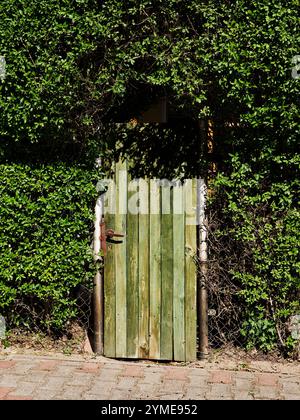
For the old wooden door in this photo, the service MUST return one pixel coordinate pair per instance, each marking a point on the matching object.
(150, 273)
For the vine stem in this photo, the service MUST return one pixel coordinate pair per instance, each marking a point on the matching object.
(276, 325)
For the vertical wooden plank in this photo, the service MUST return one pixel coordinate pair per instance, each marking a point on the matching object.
(110, 284)
(143, 268)
(155, 270)
(166, 328)
(190, 191)
(121, 260)
(178, 271)
(132, 271)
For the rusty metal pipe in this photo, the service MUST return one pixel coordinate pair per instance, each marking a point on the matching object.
(98, 313)
(98, 298)
(202, 298)
(202, 313)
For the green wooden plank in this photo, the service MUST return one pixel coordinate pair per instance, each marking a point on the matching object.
(121, 261)
(143, 267)
(132, 272)
(190, 270)
(109, 288)
(155, 270)
(166, 328)
(178, 272)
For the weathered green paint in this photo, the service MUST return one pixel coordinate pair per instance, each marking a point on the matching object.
(166, 327)
(178, 274)
(190, 270)
(150, 277)
(121, 261)
(109, 296)
(143, 256)
(132, 276)
(155, 270)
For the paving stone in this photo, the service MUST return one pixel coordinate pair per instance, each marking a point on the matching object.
(152, 377)
(292, 397)
(119, 394)
(290, 387)
(109, 375)
(220, 391)
(25, 388)
(101, 387)
(139, 396)
(46, 393)
(198, 373)
(5, 391)
(48, 365)
(36, 377)
(290, 379)
(243, 395)
(268, 392)
(18, 397)
(171, 386)
(146, 389)
(114, 365)
(248, 376)
(10, 380)
(54, 382)
(243, 384)
(7, 364)
(22, 368)
(217, 397)
(90, 367)
(155, 369)
(135, 371)
(174, 396)
(179, 374)
(267, 379)
(81, 378)
(64, 370)
(221, 377)
(126, 383)
(96, 397)
(195, 394)
(72, 393)
(200, 382)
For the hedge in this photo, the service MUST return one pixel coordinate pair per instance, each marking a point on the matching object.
(46, 219)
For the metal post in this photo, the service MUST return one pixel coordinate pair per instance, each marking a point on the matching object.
(202, 275)
(98, 283)
(202, 297)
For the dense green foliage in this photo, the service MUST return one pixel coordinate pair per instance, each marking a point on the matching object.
(75, 66)
(71, 65)
(262, 220)
(46, 219)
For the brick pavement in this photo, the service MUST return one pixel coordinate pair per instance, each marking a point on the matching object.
(58, 377)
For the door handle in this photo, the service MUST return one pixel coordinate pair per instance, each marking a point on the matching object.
(108, 235)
